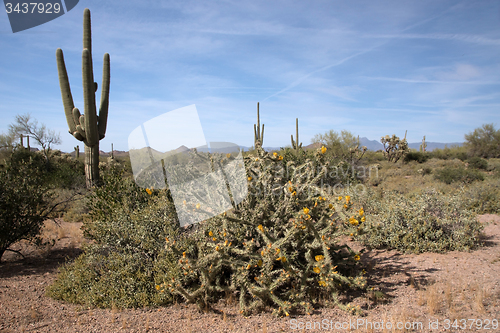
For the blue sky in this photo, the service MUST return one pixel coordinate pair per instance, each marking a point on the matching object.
(371, 67)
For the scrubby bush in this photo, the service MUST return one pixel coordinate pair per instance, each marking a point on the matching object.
(416, 156)
(25, 199)
(424, 222)
(478, 163)
(129, 226)
(447, 153)
(449, 174)
(483, 197)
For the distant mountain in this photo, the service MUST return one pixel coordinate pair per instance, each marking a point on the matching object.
(376, 145)
(370, 144)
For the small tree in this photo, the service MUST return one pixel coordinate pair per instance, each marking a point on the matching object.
(25, 199)
(339, 144)
(483, 142)
(25, 125)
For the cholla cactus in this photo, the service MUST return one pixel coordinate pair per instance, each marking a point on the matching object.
(357, 152)
(278, 247)
(396, 148)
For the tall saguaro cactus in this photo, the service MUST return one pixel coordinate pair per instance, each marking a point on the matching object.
(88, 127)
(296, 145)
(423, 145)
(258, 134)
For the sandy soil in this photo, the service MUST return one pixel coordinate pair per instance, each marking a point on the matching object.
(422, 291)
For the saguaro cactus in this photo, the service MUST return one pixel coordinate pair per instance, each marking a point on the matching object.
(258, 135)
(423, 145)
(77, 152)
(89, 127)
(296, 145)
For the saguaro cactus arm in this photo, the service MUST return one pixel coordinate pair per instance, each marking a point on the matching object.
(103, 108)
(66, 92)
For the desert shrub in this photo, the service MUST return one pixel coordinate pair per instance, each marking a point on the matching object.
(128, 259)
(67, 173)
(482, 197)
(478, 163)
(276, 248)
(424, 222)
(25, 199)
(448, 175)
(105, 278)
(447, 153)
(416, 156)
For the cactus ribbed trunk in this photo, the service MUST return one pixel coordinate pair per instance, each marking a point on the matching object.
(92, 165)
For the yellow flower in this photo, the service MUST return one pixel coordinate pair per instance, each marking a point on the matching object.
(363, 219)
(225, 243)
(256, 160)
(322, 283)
(228, 155)
(280, 158)
(361, 212)
(339, 198)
(294, 193)
(157, 287)
(308, 217)
(283, 259)
(306, 210)
(278, 251)
(353, 221)
(319, 258)
(210, 234)
(330, 206)
(214, 239)
(259, 263)
(198, 206)
(262, 253)
(290, 189)
(357, 257)
(184, 254)
(316, 270)
(316, 204)
(224, 234)
(347, 198)
(275, 154)
(248, 267)
(217, 248)
(260, 227)
(345, 206)
(249, 178)
(149, 191)
(323, 149)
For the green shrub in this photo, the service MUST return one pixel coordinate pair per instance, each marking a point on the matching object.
(128, 259)
(478, 163)
(25, 199)
(425, 222)
(105, 278)
(416, 156)
(448, 175)
(483, 197)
